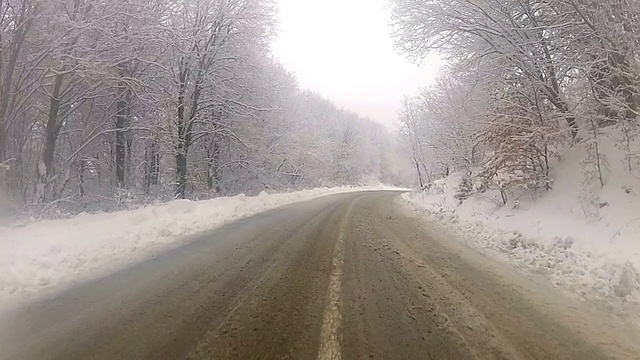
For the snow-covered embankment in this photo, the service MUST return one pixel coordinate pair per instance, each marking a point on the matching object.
(583, 237)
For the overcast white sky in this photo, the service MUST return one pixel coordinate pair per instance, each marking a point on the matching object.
(342, 49)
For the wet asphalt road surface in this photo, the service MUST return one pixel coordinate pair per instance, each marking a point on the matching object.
(349, 276)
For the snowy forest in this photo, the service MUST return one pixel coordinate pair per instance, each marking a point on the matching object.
(104, 102)
(524, 80)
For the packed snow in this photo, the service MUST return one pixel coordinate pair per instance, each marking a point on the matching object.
(583, 238)
(49, 254)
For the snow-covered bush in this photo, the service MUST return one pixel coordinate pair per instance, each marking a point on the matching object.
(465, 188)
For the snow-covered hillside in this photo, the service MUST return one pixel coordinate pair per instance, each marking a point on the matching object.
(49, 254)
(584, 238)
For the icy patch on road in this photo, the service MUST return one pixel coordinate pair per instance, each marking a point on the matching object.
(48, 254)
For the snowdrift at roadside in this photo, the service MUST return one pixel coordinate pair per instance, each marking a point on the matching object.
(582, 237)
(49, 254)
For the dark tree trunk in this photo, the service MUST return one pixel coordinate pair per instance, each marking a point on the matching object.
(155, 165)
(128, 160)
(83, 166)
(120, 153)
(147, 170)
(213, 165)
(554, 97)
(553, 91)
(612, 79)
(98, 168)
(214, 151)
(123, 113)
(573, 126)
(210, 163)
(561, 105)
(181, 148)
(217, 150)
(181, 172)
(620, 81)
(21, 27)
(3, 142)
(184, 139)
(45, 169)
(419, 174)
(152, 161)
(185, 128)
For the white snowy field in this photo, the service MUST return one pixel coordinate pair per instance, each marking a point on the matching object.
(583, 237)
(50, 254)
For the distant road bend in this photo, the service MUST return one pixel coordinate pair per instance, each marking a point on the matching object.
(347, 276)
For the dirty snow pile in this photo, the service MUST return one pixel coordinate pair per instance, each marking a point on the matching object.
(51, 253)
(583, 237)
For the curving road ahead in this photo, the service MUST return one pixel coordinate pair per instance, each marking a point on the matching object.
(342, 277)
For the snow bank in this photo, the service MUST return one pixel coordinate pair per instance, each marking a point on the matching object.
(52, 253)
(582, 237)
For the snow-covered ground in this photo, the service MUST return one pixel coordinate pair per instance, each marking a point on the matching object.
(50, 254)
(583, 238)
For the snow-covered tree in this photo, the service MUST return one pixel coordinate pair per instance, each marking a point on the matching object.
(523, 78)
(105, 103)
